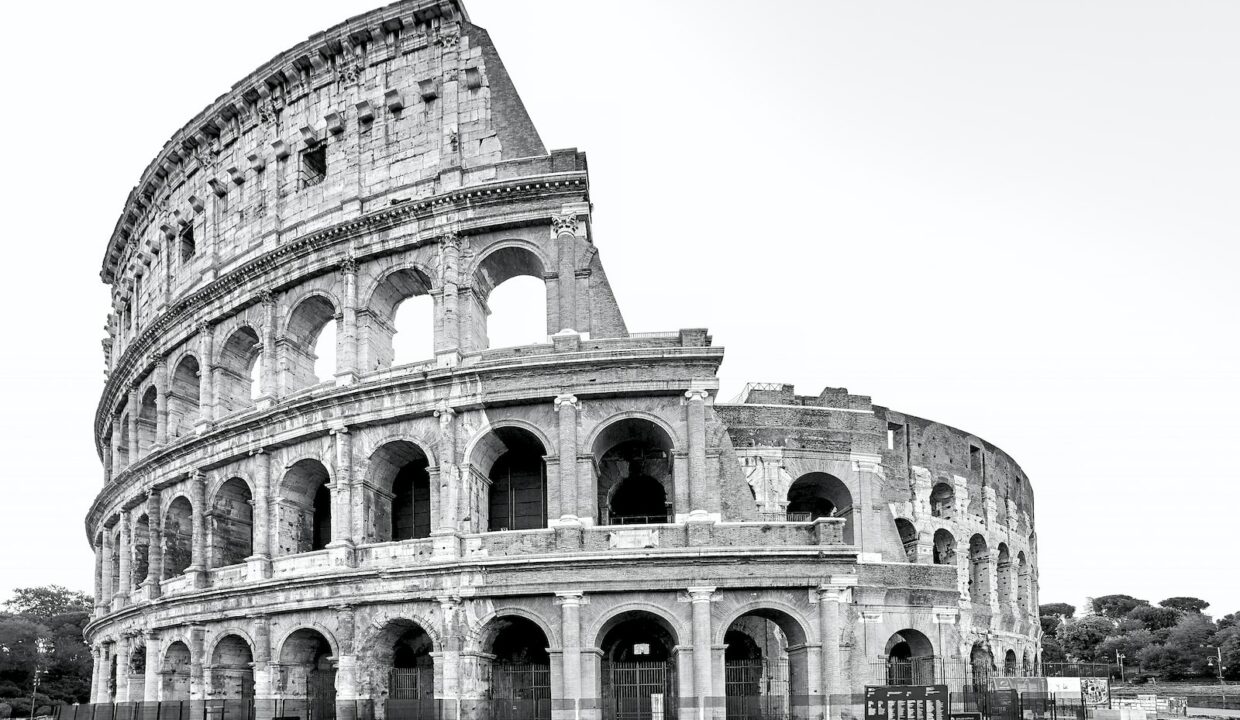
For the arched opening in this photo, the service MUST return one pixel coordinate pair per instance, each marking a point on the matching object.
(1022, 583)
(1004, 573)
(633, 464)
(981, 664)
(516, 313)
(305, 508)
(979, 571)
(239, 366)
(147, 421)
(178, 537)
(910, 659)
(637, 666)
(232, 524)
(135, 668)
(399, 326)
(943, 501)
(518, 675)
(765, 665)
(511, 460)
(309, 672)
(1011, 667)
(407, 690)
(112, 671)
(141, 551)
(183, 397)
(1028, 668)
(310, 347)
(818, 494)
(122, 445)
(398, 503)
(117, 550)
(944, 548)
(174, 671)
(908, 538)
(232, 669)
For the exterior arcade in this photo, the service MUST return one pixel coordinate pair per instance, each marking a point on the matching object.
(573, 529)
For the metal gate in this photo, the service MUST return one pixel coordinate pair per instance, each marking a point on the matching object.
(756, 689)
(321, 695)
(411, 693)
(911, 671)
(519, 691)
(639, 691)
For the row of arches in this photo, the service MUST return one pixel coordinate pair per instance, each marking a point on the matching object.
(396, 324)
(1014, 578)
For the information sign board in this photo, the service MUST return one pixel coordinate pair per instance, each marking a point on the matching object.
(906, 702)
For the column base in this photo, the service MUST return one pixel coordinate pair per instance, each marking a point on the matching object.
(263, 402)
(150, 590)
(447, 544)
(448, 358)
(258, 567)
(202, 427)
(341, 553)
(197, 577)
(348, 377)
(565, 521)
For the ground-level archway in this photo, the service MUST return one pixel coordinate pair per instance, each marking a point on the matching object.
(516, 669)
(308, 674)
(231, 670)
(638, 669)
(174, 670)
(910, 659)
(818, 494)
(766, 666)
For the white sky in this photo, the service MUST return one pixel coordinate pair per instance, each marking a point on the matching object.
(1016, 218)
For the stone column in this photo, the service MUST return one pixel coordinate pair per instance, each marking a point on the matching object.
(269, 391)
(150, 692)
(703, 679)
(830, 594)
(696, 401)
(161, 401)
(108, 549)
(117, 465)
(259, 564)
(96, 678)
(122, 672)
(126, 551)
(197, 689)
(450, 657)
(155, 550)
(134, 409)
(567, 407)
(100, 605)
(347, 693)
(346, 361)
(264, 690)
(448, 480)
(570, 630)
(341, 545)
(197, 569)
(450, 259)
(564, 230)
(206, 394)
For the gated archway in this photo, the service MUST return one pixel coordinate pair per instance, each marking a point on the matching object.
(765, 666)
(638, 675)
(308, 676)
(910, 659)
(517, 678)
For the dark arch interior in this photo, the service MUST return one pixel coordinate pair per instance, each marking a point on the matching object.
(944, 548)
(519, 641)
(401, 468)
(235, 371)
(232, 517)
(818, 494)
(232, 674)
(178, 537)
(638, 498)
(306, 510)
(634, 464)
(638, 637)
(741, 646)
(518, 494)
(942, 500)
(412, 649)
(908, 644)
(908, 538)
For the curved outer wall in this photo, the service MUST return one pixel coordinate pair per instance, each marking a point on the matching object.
(262, 528)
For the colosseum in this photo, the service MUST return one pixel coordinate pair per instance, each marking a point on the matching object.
(576, 528)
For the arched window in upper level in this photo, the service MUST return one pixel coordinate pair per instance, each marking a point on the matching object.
(511, 298)
(512, 459)
(818, 494)
(148, 419)
(178, 537)
(122, 442)
(1023, 581)
(908, 538)
(633, 459)
(979, 570)
(943, 501)
(183, 397)
(310, 348)
(141, 551)
(305, 508)
(944, 548)
(399, 326)
(399, 497)
(240, 365)
(232, 524)
(1004, 573)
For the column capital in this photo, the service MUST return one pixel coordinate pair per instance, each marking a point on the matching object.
(700, 394)
(450, 240)
(339, 430)
(260, 450)
(567, 399)
(564, 224)
(701, 593)
(267, 298)
(444, 412)
(571, 598)
(204, 328)
(348, 266)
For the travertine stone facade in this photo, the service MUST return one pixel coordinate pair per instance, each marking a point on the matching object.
(487, 526)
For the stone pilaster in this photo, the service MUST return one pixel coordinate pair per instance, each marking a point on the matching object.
(703, 680)
(150, 691)
(564, 229)
(122, 671)
(197, 569)
(269, 390)
(347, 690)
(259, 563)
(567, 406)
(155, 548)
(206, 391)
(346, 362)
(108, 549)
(834, 591)
(341, 545)
(449, 482)
(100, 591)
(135, 406)
(449, 342)
(695, 401)
(161, 401)
(121, 598)
(570, 631)
(197, 688)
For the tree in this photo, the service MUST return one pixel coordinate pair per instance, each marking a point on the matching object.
(1063, 610)
(1228, 640)
(1116, 606)
(1229, 620)
(1185, 604)
(1129, 644)
(1159, 620)
(1182, 655)
(46, 601)
(1081, 638)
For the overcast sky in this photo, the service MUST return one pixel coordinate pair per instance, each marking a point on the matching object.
(1017, 219)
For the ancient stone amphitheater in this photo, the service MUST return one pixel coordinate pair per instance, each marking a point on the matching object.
(578, 528)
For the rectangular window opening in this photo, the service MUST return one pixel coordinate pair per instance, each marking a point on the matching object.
(313, 166)
(895, 435)
(187, 245)
(975, 457)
